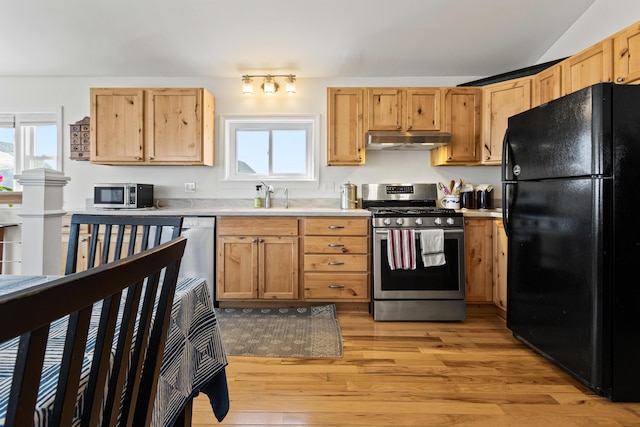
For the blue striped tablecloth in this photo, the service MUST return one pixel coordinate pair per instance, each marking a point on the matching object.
(194, 357)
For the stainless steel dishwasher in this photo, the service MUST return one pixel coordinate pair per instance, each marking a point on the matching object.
(198, 259)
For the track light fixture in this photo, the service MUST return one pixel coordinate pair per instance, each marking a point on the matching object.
(269, 85)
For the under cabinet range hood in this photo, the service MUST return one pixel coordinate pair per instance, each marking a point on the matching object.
(414, 140)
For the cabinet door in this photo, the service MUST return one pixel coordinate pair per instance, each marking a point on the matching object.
(499, 265)
(385, 109)
(626, 55)
(345, 129)
(478, 247)
(502, 100)
(592, 65)
(547, 85)
(423, 109)
(462, 119)
(278, 271)
(175, 125)
(237, 267)
(117, 125)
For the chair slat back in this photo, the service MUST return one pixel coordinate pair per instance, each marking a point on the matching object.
(113, 237)
(127, 354)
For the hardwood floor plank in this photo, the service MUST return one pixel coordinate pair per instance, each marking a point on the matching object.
(394, 374)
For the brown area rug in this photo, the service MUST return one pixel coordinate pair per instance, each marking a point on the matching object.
(299, 332)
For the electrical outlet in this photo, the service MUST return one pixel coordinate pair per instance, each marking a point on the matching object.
(328, 187)
(189, 187)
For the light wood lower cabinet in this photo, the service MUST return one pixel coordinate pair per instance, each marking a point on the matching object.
(257, 258)
(478, 259)
(485, 246)
(336, 259)
(499, 265)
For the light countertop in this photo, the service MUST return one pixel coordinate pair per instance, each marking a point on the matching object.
(244, 207)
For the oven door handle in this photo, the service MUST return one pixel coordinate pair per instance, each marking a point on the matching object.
(446, 231)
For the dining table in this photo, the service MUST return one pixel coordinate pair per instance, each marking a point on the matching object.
(193, 361)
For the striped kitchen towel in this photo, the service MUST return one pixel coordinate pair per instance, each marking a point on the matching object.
(401, 249)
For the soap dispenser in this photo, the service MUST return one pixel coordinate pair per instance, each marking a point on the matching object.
(257, 200)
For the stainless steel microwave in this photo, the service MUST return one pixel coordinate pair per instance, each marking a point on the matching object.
(123, 196)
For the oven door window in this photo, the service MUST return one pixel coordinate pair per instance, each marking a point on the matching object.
(437, 281)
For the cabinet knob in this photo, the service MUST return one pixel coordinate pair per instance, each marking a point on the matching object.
(409, 127)
(335, 263)
(254, 240)
(138, 158)
(151, 157)
(620, 79)
(335, 286)
(335, 226)
(335, 245)
(398, 127)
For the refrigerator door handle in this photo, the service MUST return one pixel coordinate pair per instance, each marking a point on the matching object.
(505, 207)
(505, 157)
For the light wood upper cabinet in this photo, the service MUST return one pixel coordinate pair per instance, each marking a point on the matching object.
(626, 55)
(462, 118)
(345, 126)
(501, 101)
(403, 109)
(547, 85)
(592, 65)
(152, 126)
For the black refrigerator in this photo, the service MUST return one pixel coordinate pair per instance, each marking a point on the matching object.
(571, 209)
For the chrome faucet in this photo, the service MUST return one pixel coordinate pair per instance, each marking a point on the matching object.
(268, 189)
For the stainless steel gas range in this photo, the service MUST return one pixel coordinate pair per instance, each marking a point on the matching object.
(418, 254)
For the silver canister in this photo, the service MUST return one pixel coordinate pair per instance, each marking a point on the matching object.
(348, 196)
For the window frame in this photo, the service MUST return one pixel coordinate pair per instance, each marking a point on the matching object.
(252, 122)
(16, 118)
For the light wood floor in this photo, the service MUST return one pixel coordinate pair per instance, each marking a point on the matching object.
(471, 373)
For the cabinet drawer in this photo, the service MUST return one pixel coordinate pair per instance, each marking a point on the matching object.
(336, 245)
(338, 286)
(336, 262)
(339, 226)
(257, 226)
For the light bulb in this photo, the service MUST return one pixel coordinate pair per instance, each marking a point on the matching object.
(290, 85)
(269, 86)
(247, 85)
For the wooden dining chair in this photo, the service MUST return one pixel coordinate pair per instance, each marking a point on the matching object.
(119, 385)
(112, 237)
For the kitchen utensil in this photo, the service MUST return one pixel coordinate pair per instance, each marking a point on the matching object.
(443, 188)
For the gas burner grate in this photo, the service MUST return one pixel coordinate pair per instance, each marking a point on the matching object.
(412, 211)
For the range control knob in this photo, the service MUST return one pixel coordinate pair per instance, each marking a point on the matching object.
(399, 221)
(450, 221)
(437, 221)
(386, 221)
(418, 221)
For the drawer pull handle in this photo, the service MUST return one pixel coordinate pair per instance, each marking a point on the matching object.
(335, 263)
(335, 286)
(335, 226)
(335, 245)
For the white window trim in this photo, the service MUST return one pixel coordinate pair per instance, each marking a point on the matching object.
(313, 144)
(26, 116)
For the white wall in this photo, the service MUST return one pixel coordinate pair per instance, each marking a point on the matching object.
(73, 95)
(604, 18)
(601, 20)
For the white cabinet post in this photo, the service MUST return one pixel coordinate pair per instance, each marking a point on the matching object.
(41, 220)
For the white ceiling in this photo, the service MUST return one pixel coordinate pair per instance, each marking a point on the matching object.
(324, 39)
